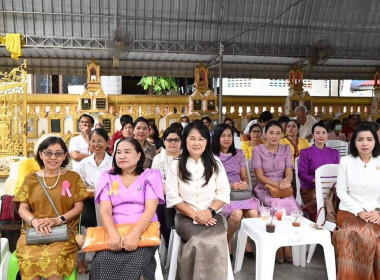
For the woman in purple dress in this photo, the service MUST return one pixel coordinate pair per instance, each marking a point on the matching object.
(234, 162)
(273, 165)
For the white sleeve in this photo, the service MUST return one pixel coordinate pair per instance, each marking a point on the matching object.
(172, 185)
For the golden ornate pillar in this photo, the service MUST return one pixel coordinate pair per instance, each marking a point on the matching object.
(295, 89)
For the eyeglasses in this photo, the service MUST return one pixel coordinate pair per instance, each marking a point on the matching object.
(56, 154)
(174, 140)
(256, 131)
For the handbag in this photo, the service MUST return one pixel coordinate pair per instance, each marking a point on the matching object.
(332, 204)
(240, 195)
(277, 193)
(8, 210)
(58, 233)
(97, 240)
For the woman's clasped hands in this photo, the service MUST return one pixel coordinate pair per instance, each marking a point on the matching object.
(45, 225)
(284, 184)
(204, 217)
(129, 243)
(239, 186)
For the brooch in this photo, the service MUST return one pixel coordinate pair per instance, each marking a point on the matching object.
(66, 188)
(114, 188)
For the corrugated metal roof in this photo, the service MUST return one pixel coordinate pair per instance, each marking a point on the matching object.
(171, 36)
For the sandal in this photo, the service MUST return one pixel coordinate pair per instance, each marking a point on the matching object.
(81, 267)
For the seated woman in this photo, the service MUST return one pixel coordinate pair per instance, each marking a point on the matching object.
(126, 131)
(356, 237)
(234, 163)
(256, 134)
(273, 165)
(234, 127)
(198, 187)
(141, 133)
(127, 194)
(293, 140)
(89, 170)
(57, 259)
(172, 141)
(310, 159)
(154, 136)
(336, 131)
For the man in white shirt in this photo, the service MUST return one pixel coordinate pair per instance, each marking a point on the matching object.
(79, 145)
(306, 121)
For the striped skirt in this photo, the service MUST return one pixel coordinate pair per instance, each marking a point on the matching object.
(357, 248)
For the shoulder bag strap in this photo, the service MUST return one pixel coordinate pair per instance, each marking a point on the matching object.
(47, 195)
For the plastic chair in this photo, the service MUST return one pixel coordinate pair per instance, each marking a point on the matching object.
(325, 177)
(174, 255)
(298, 183)
(5, 255)
(158, 274)
(13, 162)
(248, 162)
(341, 146)
(13, 269)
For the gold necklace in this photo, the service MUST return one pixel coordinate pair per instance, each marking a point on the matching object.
(56, 182)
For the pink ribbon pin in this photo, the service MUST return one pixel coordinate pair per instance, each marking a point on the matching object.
(66, 188)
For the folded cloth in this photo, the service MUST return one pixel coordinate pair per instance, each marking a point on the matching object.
(13, 45)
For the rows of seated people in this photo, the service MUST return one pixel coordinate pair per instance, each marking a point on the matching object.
(135, 176)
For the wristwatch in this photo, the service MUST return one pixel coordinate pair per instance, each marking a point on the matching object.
(213, 213)
(63, 220)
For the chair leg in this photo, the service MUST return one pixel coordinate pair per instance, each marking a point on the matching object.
(230, 272)
(170, 249)
(158, 275)
(311, 252)
(174, 254)
(13, 268)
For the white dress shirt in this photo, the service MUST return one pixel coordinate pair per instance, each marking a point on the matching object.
(90, 172)
(305, 130)
(80, 145)
(162, 162)
(358, 185)
(196, 195)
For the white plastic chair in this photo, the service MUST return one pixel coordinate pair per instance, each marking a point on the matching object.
(248, 162)
(158, 274)
(325, 177)
(174, 255)
(5, 255)
(341, 146)
(13, 162)
(298, 183)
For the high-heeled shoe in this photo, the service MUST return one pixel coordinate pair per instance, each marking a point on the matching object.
(289, 259)
(280, 260)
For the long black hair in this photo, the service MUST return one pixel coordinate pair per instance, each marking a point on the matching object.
(208, 160)
(116, 170)
(218, 131)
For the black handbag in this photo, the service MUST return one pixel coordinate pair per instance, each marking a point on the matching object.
(58, 233)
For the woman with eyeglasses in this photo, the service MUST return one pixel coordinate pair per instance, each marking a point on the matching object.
(256, 133)
(66, 189)
(89, 170)
(141, 133)
(172, 143)
(198, 187)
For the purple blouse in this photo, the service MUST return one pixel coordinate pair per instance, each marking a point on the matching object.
(272, 164)
(312, 158)
(128, 204)
(232, 165)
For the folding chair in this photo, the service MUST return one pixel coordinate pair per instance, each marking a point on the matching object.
(341, 146)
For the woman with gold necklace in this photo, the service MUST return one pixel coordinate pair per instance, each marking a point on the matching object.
(67, 191)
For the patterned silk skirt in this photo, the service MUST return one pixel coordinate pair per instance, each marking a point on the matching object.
(203, 251)
(357, 248)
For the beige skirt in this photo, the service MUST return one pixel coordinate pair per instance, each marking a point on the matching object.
(203, 251)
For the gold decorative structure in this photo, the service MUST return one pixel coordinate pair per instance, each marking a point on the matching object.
(31, 125)
(196, 101)
(201, 78)
(93, 75)
(13, 89)
(108, 121)
(55, 123)
(210, 101)
(295, 88)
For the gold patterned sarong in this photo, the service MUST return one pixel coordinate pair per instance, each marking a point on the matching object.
(357, 248)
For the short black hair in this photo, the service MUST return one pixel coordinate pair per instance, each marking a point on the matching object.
(215, 143)
(265, 116)
(365, 127)
(185, 117)
(141, 119)
(87, 116)
(101, 132)
(284, 119)
(320, 124)
(334, 123)
(207, 119)
(173, 129)
(125, 119)
(295, 121)
(125, 123)
(116, 170)
(255, 125)
(52, 140)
